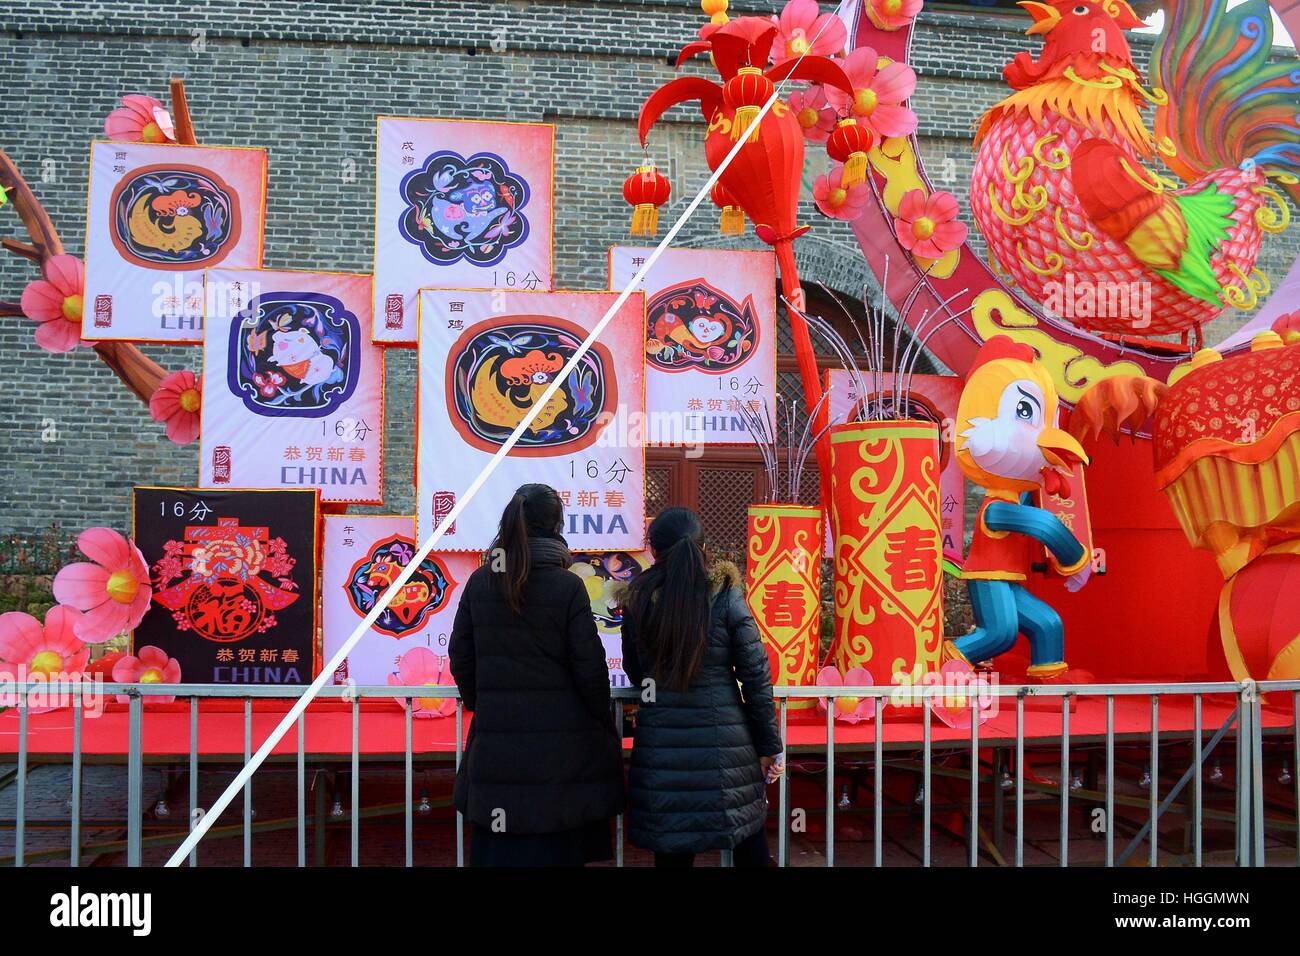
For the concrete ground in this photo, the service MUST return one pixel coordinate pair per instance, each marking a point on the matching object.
(381, 831)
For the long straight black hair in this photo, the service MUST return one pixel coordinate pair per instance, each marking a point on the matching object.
(668, 603)
(534, 511)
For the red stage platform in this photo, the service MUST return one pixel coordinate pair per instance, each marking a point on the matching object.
(328, 724)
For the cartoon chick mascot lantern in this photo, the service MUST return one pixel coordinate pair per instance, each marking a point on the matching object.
(1008, 444)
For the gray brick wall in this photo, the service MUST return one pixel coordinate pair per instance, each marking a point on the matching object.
(306, 79)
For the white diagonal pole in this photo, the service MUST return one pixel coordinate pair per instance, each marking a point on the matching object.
(291, 717)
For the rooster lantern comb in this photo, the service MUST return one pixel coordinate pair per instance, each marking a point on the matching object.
(1072, 29)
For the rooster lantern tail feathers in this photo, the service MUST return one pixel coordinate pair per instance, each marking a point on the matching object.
(1245, 105)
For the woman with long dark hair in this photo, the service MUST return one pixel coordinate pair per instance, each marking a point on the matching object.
(543, 769)
(706, 742)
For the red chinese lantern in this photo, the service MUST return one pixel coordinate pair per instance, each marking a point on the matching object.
(645, 190)
(745, 93)
(763, 180)
(849, 144)
(732, 222)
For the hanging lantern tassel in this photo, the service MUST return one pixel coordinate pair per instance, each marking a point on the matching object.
(732, 222)
(645, 191)
(849, 143)
(746, 93)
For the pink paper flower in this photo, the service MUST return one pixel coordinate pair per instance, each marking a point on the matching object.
(113, 591)
(52, 652)
(814, 114)
(55, 302)
(177, 402)
(152, 666)
(878, 94)
(891, 15)
(420, 667)
(834, 200)
(1288, 326)
(802, 28)
(962, 686)
(140, 119)
(851, 710)
(927, 226)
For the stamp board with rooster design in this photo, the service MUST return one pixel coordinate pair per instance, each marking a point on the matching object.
(157, 216)
(485, 357)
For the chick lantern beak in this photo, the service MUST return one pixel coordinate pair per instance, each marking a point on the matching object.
(1060, 448)
(1045, 17)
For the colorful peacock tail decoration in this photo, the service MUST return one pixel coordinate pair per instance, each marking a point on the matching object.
(1062, 189)
(1221, 58)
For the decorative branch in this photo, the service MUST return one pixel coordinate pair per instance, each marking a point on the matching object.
(23, 249)
(139, 373)
(181, 121)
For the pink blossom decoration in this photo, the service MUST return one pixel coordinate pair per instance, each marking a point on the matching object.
(1288, 326)
(836, 201)
(177, 402)
(140, 119)
(851, 710)
(814, 114)
(150, 666)
(30, 651)
(113, 590)
(55, 302)
(963, 685)
(927, 226)
(420, 667)
(878, 94)
(802, 29)
(891, 15)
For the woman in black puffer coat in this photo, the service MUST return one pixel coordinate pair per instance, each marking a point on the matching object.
(543, 768)
(706, 742)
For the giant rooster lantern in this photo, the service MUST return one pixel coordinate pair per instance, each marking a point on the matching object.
(1063, 185)
(1226, 449)
(764, 178)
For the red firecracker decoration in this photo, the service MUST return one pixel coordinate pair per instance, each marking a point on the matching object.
(849, 144)
(746, 92)
(645, 190)
(732, 222)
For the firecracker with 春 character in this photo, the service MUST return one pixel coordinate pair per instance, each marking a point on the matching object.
(783, 578)
(888, 549)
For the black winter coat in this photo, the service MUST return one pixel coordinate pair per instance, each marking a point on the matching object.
(542, 746)
(695, 783)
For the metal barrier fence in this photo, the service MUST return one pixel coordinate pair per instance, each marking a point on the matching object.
(1245, 723)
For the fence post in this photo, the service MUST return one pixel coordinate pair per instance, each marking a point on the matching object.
(134, 778)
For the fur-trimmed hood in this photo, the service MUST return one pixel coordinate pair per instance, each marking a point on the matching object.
(723, 575)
